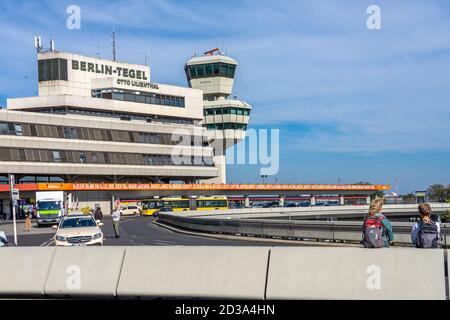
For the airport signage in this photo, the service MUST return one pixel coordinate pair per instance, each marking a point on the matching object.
(187, 187)
(15, 194)
(139, 84)
(121, 72)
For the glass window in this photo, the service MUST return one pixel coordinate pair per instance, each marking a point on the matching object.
(216, 68)
(22, 156)
(118, 96)
(41, 70)
(200, 70)
(106, 156)
(4, 128)
(240, 112)
(63, 69)
(18, 129)
(83, 158)
(208, 70)
(148, 160)
(33, 130)
(223, 69)
(70, 133)
(48, 70)
(230, 70)
(56, 156)
(193, 71)
(55, 69)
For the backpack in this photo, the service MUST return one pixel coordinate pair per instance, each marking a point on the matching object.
(373, 232)
(427, 236)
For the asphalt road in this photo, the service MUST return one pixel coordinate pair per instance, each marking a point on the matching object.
(134, 231)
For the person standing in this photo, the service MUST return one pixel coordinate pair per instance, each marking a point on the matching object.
(98, 214)
(116, 222)
(426, 232)
(3, 239)
(28, 220)
(377, 229)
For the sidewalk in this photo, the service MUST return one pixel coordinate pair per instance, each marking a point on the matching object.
(7, 227)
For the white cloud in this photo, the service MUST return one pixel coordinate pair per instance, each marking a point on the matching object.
(300, 62)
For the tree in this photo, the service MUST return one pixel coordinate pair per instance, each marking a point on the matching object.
(377, 194)
(438, 191)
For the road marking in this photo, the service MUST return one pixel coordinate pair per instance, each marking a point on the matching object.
(47, 242)
(162, 244)
(139, 244)
(163, 241)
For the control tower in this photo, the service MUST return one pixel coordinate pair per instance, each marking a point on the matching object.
(225, 118)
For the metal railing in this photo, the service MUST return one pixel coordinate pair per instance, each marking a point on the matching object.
(334, 231)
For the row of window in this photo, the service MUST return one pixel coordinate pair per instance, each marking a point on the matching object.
(88, 157)
(226, 110)
(139, 97)
(52, 69)
(49, 131)
(117, 115)
(224, 126)
(33, 179)
(210, 70)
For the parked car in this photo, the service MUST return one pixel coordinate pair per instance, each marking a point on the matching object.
(238, 206)
(272, 204)
(162, 210)
(258, 205)
(291, 205)
(130, 210)
(78, 229)
(304, 204)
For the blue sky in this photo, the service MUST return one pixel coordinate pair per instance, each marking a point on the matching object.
(351, 104)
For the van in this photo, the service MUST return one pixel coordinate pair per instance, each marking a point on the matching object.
(130, 210)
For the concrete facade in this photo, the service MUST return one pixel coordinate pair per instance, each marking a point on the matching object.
(67, 86)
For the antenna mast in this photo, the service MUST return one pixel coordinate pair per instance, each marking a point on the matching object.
(147, 57)
(114, 44)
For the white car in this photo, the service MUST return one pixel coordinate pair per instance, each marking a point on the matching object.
(130, 210)
(78, 230)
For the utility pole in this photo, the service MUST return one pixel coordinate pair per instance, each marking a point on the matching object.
(14, 198)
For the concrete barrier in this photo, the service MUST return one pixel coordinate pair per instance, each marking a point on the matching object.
(23, 271)
(354, 273)
(194, 272)
(85, 271)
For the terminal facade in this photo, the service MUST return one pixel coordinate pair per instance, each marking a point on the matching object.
(103, 121)
(97, 120)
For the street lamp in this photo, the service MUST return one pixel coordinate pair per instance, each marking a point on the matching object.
(264, 176)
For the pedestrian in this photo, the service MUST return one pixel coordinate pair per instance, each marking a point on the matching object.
(377, 229)
(98, 214)
(3, 239)
(426, 232)
(28, 220)
(116, 222)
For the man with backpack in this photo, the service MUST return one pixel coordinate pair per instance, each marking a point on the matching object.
(426, 232)
(377, 229)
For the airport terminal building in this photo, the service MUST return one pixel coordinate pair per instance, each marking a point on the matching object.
(97, 120)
